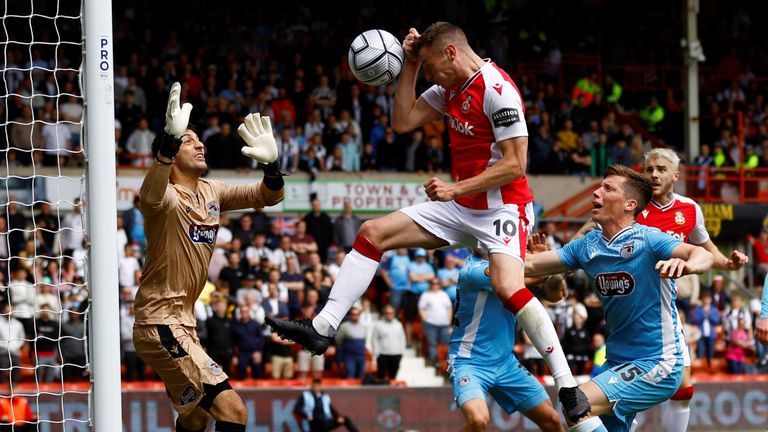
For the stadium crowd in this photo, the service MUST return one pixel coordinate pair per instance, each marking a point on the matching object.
(288, 66)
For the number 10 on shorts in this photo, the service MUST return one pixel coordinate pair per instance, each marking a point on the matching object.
(506, 227)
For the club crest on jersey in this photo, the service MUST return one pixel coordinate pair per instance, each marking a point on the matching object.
(466, 105)
(505, 117)
(214, 367)
(679, 218)
(614, 284)
(627, 249)
(202, 233)
(213, 209)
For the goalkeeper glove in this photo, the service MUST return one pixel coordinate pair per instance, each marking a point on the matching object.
(257, 133)
(176, 119)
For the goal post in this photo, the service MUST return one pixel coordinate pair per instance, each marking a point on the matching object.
(102, 214)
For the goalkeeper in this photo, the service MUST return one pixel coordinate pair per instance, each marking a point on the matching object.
(181, 213)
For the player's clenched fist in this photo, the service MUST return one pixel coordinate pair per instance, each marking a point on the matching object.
(438, 190)
(256, 131)
(408, 42)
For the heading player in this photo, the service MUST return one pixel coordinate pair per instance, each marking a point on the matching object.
(181, 213)
(644, 357)
(489, 205)
(480, 356)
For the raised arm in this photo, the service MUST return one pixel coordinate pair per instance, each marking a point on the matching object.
(408, 112)
(685, 259)
(165, 147)
(721, 262)
(544, 264)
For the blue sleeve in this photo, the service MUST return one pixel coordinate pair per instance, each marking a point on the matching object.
(661, 244)
(570, 253)
(764, 300)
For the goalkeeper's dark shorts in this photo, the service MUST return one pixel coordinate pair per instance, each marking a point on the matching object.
(175, 353)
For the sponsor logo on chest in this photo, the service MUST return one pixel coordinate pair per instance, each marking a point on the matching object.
(678, 235)
(613, 284)
(202, 233)
(462, 127)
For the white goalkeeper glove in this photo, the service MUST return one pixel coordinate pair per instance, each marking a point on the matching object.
(176, 119)
(256, 131)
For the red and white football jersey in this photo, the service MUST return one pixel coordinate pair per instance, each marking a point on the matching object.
(484, 110)
(681, 218)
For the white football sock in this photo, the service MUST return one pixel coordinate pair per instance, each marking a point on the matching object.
(355, 275)
(535, 321)
(676, 414)
(593, 424)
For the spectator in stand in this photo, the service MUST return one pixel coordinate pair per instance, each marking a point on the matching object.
(324, 97)
(688, 288)
(585, 88)
(702, 162)
(436, 312)
(257, 250)
(289, 150)
(652, 115)
(395, 272)
(139, 144)
(234, 272)
(71, 347)
(245, 230)
(248, 339)
(567, 137)
(345, 227)
(12, 339)
(311, 163)
(280, 256)
(314, 126)
(532, 359)
(134, 366)
(720, 298)
(387, 344)
(350, 345)
(600, 156)
(580, 161)
(306, 362)
(449, 276)
(389, 152)
(272, 304)
(707, 317)
(22, 297)
(541, 144)
(303, 244)
(280, 356)
(220, 344)
(317, 414)
(293, 280)
(133, 220)
(577, 340)
(736, 311)
(129, 268)
(621, 154)
(739, 344)
(760, 252)
(368, 160)
(557, 160)
(320, 227)
(350, 152)
(335, 162)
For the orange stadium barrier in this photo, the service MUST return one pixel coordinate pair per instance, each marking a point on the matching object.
(721, 402)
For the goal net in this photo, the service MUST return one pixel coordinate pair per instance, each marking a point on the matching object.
(45, 380)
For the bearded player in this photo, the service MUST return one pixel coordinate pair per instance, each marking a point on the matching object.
(682, 218)
(489, 206)
(181, 213)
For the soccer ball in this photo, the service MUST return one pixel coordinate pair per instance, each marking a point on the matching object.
(376, 57)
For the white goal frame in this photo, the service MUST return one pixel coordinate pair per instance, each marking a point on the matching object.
(99, 119)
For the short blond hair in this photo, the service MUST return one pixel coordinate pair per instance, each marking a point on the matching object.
(663, 153)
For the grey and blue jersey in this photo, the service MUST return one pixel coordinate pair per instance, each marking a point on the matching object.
(483, 329)
(639, 305)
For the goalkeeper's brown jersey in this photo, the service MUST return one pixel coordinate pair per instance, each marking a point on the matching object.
(181, 228)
